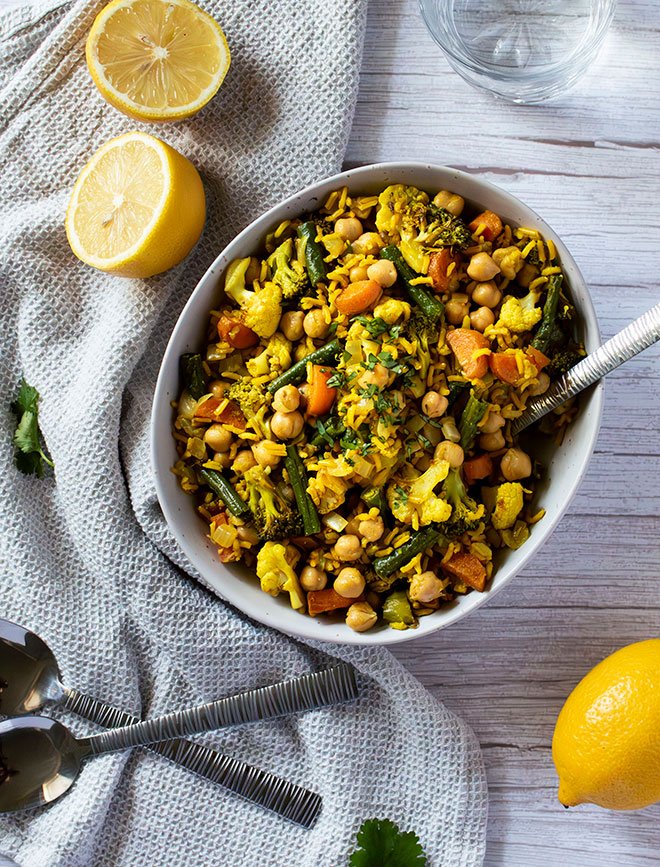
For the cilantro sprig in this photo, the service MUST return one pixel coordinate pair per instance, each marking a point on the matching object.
(382, 844)
(30, 456)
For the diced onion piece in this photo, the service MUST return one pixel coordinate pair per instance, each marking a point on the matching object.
(335, 521)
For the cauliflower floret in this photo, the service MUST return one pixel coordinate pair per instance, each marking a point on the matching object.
(413, 502)
(275, 565)
(260, 308)
(509, 260)
(508, 505)
(519, 314)
(401, 211)
(275, 358)
(391, 310)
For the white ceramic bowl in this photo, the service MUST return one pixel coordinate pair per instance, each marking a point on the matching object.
(565, 465)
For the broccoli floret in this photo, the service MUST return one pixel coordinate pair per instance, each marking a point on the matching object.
(413, 501)
(261, 308)
(444, 229)
(465, 512)
(276, 574)
(521, 314)
(249, 395)
(563, 361)
(288, 272)
(274, 517)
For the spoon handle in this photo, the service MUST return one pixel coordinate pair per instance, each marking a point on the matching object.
(636, 337)
(292, 802)
(309, 692)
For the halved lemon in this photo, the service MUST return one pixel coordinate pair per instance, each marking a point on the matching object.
(137, 208)
(156, 60)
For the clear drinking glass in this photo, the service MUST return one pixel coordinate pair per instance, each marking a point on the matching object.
(524, 51)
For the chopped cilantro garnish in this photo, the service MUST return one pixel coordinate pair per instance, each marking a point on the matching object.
(30, 456)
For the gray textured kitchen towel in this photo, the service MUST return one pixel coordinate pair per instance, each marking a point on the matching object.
(86, 559)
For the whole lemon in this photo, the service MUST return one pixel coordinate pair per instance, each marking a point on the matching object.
(606, 745)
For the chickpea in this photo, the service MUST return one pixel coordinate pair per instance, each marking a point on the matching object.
(247, 534)
(486, 294)
(218, 388)
(243, 461)
(349, 583)
(286, 399)
(542, 386)
(379, 376)
(264, 456)
(358, 273)
(456, 309)
(434, 404)
(482, 267)
(515, 464)
(218, 438)
(313, 579)
(382, 272)
(349, 228)
(314, 323)
(450, 452)
(367, 244)
(480, 319)
(348, 547)
(450, 202)
(371, 529)
(492, 442)
(291, 324)
(253, 271)
(286, 425)
(494, 422)
(221, 458)
(426, 587)
(361, 616)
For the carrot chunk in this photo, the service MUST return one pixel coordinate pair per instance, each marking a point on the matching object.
(230, 414)
(321, 396)
(477, 468)
(464, 342)
(489, 224)
(235, 333)
(320, 601)
(359, 297)
(538, 359)
(504, 367)
(467, 569)
(439, 266)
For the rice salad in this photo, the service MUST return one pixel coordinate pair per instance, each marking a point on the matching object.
(345, 432)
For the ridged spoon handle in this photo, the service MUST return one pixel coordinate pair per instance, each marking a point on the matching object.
(636, 337)
(309, 692)
(269, 791)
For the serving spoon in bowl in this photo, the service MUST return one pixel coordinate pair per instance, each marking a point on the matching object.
(632, 340)
(30, 678)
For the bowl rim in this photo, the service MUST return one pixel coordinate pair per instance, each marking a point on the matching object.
(311, 628)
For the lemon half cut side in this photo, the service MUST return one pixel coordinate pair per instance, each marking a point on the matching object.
(156, 60)
(137, 208)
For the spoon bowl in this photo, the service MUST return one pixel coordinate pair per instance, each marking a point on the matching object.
(29, 676)
(39, 760)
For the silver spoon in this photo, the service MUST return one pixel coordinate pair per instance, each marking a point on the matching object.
(29, 677)
(636, 337)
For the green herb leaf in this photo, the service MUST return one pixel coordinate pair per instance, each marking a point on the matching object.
(30, 456)
(381, 844)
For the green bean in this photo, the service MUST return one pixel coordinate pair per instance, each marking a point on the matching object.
(474, 411)
(298, 480)
(384, 566)
(430, 306)
(316, 267)
(225, 490)
(297, 372)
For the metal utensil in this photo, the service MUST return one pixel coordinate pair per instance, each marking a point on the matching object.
(29, 677)
(636, 337)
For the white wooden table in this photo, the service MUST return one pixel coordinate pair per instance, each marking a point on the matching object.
(590, 165)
